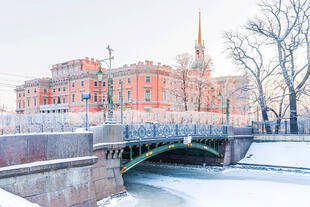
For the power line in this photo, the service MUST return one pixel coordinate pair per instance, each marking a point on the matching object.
(17, 75)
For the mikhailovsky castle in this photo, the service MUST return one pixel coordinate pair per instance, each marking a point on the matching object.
(146, 86)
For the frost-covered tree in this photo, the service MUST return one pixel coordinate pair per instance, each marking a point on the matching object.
(203, 81)
(182, 77)
(285, 24)
(246, 51)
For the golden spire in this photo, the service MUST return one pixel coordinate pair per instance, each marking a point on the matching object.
(199, 31)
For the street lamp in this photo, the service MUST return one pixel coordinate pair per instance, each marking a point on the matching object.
(221, 97)
(99, 74)
(86, 96)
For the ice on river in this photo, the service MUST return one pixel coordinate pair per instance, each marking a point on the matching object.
(160, 186)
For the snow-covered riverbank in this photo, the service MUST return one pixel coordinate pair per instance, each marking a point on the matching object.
(10, 200)
(292, 154)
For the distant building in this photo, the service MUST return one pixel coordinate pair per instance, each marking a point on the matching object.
(146, 86)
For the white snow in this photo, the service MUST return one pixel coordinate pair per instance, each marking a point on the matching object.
(10, 200)
(46, 162)
(115, 202)
(293, 154)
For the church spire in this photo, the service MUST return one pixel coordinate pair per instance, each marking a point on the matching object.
(199, 31)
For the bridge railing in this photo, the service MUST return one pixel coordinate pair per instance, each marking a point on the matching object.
(158, 130)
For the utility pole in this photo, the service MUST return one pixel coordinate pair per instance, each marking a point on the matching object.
(110, 98)
(122, 115)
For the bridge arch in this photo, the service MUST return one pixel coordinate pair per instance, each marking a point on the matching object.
(165, 148)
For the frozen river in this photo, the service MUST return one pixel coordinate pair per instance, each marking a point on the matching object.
(177, 186)
(163, 185)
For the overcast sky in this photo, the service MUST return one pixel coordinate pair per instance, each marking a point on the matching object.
(35, 34)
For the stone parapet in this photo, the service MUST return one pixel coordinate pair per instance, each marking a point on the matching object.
(57, 183)
(26, 148)
(107, 133)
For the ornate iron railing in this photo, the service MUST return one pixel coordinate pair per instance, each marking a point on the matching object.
(158, 130)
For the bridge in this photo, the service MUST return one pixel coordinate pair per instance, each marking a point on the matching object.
(79, 168)
(144, 141)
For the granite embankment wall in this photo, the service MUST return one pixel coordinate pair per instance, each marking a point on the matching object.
(239, 142)
(49, 169)
(108, 147)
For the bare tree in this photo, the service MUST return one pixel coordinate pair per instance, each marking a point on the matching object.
(203, 81)
(246, 51)
(285, 24)
(182, 75)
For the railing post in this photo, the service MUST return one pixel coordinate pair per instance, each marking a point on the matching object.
(1, 131)
(130, 153)
(154, 130)
(127, 131)
(210, 129)
(195, 129)
(285, 124)
(177, 129)
(41, 128)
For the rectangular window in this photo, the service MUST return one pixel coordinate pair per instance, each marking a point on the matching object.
(72, 84)
(73, 98)
(34, 101)
(58, 89)
(54, 90)
(35, 90)
(103, 98)
(129, 80)
(147, 79)
(19, 95)
(120, 81)
(45, 90)
(44, 101)
(103, 83)
(64, 89)
(95, 98)
(64, 100)
(19, 104)
(129, 95)
(23, 94)
(164, 81)
(95, 83)
(82, 83)
(54, 101)
(28, 102)
(147, 95)
(119, 96)
(28, 91)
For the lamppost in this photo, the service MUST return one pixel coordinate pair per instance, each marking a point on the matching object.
(221, 97)
(86, 96)
(109, 95)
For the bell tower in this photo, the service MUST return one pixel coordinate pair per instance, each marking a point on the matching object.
(199, 46)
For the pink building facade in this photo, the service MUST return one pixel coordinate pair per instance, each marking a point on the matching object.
(146, 86)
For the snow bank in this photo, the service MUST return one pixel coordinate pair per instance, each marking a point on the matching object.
(10, 200)
(292, 154)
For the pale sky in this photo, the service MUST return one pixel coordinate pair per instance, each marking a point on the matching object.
(35, 34)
